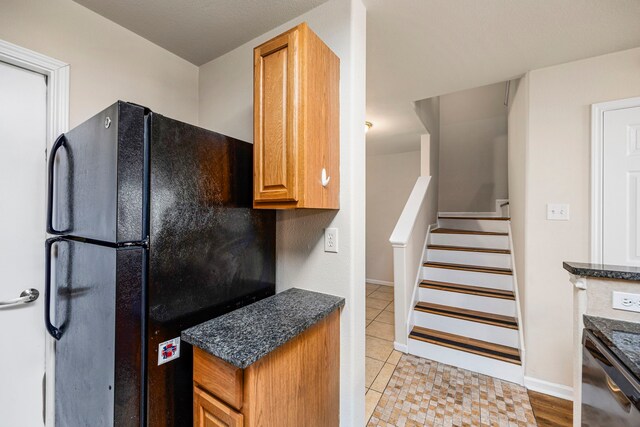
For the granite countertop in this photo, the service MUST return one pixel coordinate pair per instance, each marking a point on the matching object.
(622, 338)
(605, 271)
(251, 332)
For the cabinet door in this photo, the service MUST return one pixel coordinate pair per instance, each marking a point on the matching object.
(210, 412)
(276, 77)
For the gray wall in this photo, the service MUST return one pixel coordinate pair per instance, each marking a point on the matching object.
(390, 179)
(473, 150)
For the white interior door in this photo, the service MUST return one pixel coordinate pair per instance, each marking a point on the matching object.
(621, 187)
(22, 214)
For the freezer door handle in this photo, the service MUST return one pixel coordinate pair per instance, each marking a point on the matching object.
(53, 331)
(62, 139)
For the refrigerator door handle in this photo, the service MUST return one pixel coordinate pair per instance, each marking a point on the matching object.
(60, 141)
(53, 331)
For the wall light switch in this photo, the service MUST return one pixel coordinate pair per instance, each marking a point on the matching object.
(626, 301)
(331, 240)
(558, 212)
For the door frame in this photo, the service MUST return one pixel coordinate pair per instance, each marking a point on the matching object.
(57, 80)
(597, 172)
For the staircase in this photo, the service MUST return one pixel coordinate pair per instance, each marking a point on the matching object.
(466, 314)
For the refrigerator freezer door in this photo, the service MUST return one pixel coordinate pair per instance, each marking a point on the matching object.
(99, 177)
(210, 252)
(98, 300)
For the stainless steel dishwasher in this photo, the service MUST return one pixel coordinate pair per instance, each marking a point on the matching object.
(610, 393)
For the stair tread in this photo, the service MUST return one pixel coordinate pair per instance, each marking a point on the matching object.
(466, 344)
(467, 267)
(468, 289)
(459, 231)
(469, 249)
(484, 218)
(500, 320)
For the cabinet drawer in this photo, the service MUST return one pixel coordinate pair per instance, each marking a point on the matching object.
(210, 412)
(218, 378)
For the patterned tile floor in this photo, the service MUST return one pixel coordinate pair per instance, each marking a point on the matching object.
(422, 392)
(405, 390)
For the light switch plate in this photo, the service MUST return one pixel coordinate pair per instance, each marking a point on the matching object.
(331, 240)
(558, 211)
(626, 301)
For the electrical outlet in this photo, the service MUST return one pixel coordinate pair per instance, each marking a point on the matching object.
(626, 301)
(331, 240)
(558, 211)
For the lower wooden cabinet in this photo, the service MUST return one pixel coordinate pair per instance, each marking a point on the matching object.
(296, 385)
(210, 412)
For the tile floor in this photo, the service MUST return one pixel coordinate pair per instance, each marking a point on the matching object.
(405, 390)
(381, 358)
(422, 392)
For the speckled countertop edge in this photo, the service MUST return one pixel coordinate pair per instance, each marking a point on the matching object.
(604, 271)
(245, 335)
(622, 338)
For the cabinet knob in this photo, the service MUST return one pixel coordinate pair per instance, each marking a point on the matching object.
(325, 178)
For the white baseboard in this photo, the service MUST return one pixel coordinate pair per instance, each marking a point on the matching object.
(546, 387)
(379, 282)
(471, 214)
(401, 347)
(496, 213)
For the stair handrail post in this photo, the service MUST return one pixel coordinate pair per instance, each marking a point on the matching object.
(408, 242)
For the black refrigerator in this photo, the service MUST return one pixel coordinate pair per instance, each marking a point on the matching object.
(154, 233)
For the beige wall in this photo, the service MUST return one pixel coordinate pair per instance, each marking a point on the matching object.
(390, 179)
(473, 150)
(600, 298)
(557, 170)
(107, 61)
(517, 155)
(226, 100)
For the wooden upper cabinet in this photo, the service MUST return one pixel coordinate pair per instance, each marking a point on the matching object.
(296, 122)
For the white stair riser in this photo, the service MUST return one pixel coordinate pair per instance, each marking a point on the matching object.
(474, 224)
(470, 258)
(505, 307)
(470, 240)
(471, 278)
(472, 362)
(466, 328)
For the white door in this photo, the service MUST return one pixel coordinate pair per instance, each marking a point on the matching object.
(621, 187)
(22, 218)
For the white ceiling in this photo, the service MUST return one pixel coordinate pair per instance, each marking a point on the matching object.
(200, 30)
(422, 48)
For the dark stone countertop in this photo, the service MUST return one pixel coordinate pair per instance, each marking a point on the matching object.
(622, 338)
(604, 271)
(251, 332)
